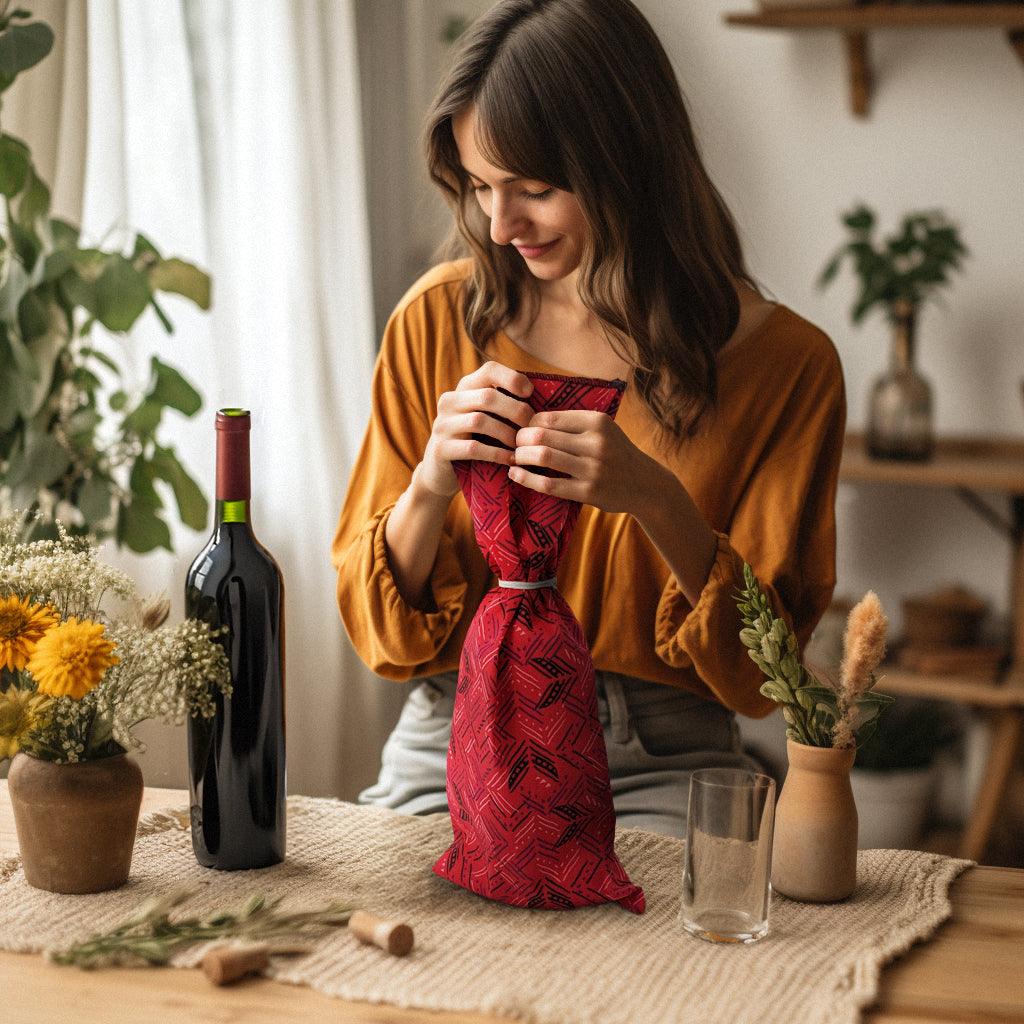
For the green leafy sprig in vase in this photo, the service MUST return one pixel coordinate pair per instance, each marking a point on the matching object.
(899, 275)
(76, 439)
(814, 855)
(817, 713)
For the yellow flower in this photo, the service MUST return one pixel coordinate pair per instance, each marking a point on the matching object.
(71, 658)
(22, 626)
(21, 712)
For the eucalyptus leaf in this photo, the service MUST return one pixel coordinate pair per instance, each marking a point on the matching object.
(95, 498)
(143, 419)
(79, 292)
(122, 293)
(183, 278)
(42, 461)
(24, 46)
(11, 385)
(46, 350)
(23, 358)
(15, 161)
(141, 483)
(14, 282)
(34, 203)
(171, 389)
(193, 508)
(65, 234)
(142, 529)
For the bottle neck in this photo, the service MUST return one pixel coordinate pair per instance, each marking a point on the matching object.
(232, 512)
(903, 324)
(233, 488)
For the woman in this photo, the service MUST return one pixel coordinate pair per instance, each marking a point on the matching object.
(594, 244)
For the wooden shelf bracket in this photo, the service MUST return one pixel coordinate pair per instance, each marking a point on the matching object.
(859, 67)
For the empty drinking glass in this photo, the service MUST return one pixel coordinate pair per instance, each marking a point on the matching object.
(728, 863)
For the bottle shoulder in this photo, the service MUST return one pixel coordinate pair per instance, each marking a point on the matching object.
(232, 550)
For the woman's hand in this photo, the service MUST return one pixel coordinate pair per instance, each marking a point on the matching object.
(604, 467)
(607, 470)
(475, 407)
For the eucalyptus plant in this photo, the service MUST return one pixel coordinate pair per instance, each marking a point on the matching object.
(816, 713)
(906, 269)
(76, 439)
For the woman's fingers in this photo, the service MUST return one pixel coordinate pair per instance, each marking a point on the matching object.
(557, 487)
(491, 401)
(527, 456)
(480, 423)
(496, 375)
(453, 449)
(574, 444)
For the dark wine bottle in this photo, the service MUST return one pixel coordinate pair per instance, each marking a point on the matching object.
(237, 758)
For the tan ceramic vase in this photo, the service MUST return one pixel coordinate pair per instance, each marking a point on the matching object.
(814, 855)
(75, 822)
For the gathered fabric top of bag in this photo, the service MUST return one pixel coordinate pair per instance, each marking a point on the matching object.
(763, 471)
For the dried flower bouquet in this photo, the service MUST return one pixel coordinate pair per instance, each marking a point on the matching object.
(75, 681)
(817, 713)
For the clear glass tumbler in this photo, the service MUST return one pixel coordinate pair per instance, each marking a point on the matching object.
(728, 862)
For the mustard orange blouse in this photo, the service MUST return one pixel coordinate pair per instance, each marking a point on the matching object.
(763, 472)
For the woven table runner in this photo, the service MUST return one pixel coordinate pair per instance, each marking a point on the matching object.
(600, 965)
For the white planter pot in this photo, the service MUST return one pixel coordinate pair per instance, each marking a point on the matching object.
(891, 807)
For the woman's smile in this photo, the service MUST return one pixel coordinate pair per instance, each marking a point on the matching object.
(532, 252)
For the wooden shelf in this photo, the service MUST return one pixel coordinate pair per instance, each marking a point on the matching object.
(856, 21)
(879, 15)
(981, 464)
(959, 689)
(968, 465)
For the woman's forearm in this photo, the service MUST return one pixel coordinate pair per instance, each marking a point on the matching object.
(678, 530)
(412, 535)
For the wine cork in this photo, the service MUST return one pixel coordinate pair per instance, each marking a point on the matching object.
(225, 964)
(390, 936)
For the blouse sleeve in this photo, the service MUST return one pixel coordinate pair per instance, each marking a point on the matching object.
(394, 638)
(784, 528)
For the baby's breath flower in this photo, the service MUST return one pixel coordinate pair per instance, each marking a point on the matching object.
(164, 671)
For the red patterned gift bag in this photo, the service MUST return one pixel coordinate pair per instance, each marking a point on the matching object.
(528, 788)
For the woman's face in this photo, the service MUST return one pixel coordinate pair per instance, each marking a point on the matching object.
(544, 223)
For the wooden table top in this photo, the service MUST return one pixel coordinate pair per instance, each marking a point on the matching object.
(971, 972)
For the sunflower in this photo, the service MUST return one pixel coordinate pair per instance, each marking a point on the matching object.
(22, 626)
(21, 712)
(71, 658)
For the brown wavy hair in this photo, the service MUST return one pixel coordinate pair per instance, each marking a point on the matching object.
(581, 95)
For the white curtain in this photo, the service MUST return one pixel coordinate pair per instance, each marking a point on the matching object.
(228, 132)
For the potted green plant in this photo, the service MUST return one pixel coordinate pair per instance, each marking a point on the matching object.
(899, 275)
(893, 774)
(76, 439)
(814, 855)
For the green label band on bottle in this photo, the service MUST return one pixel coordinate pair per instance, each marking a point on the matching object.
(233, 512)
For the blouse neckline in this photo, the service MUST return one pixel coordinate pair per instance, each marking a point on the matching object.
(545, 367)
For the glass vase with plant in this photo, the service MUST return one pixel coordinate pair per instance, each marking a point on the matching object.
(75, 682)
(899, 275)
(77, 439)
(815, 849)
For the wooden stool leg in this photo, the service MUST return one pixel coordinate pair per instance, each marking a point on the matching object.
(1006, 732)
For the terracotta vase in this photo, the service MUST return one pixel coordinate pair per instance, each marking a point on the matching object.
(75, 822)
(814, 856)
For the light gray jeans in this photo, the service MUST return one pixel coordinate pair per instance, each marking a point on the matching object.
(655, 736)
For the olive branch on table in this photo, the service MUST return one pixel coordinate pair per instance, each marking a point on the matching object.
(149, 936)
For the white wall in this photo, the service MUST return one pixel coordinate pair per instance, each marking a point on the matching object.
(946, 130)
